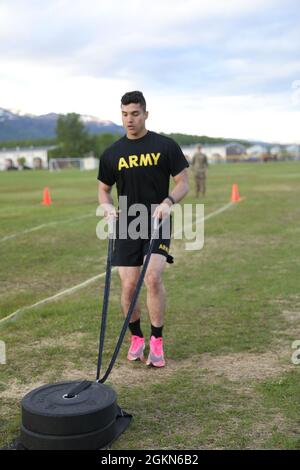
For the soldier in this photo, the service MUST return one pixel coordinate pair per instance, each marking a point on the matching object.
(199, 166)
(141, 164)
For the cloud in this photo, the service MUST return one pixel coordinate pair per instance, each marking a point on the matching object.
(248, 117)
(87, 28)
(86, 54)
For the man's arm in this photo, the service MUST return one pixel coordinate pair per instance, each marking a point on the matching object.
(180, 189)
(105, 199)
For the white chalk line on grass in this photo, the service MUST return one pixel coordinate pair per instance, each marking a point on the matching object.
(206, 217)
(39, 227)
(94, 278)
(55, 297)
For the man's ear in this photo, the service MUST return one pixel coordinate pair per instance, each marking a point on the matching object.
(147, 114)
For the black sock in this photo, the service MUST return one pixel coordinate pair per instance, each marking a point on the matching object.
(156, 331)
(135, 328)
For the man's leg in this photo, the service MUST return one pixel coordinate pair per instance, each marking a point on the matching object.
(129, 277)
(204, 186)
(156, 302)
(197, 186)
(201, 185)
(156, 294)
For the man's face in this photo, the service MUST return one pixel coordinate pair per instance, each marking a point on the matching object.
(133, 117)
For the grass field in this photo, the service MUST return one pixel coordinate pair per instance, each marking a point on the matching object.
(233, 311)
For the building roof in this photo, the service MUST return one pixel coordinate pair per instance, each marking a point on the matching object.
(257, 149)
(25, 149)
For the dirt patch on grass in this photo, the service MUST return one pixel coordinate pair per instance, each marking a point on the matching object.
(15, 390)
(70, 341)
(290, 312)
(292, 300)
(262, 431)
(292, 315)
(234, 367)
(240, 367)
(237, 367)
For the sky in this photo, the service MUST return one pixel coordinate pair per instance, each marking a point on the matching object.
(223, 68)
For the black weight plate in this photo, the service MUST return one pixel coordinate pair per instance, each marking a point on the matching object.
(88, 441)
(45, 411)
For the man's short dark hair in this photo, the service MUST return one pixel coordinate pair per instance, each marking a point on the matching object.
(134, 97)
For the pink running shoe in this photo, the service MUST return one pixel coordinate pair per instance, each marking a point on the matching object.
(136, 350)
(156, 355)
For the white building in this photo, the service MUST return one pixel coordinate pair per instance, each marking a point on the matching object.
(214, 153)
(34, 157)
(275, 150)
(217, 153)
(293, 151)
(257, 150)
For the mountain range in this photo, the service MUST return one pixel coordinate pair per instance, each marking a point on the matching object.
(17, 126)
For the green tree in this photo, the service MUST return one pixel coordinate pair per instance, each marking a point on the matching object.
(99, 142)
(72, 137)
(27, 143)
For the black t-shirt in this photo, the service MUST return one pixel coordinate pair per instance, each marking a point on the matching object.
(141, 168)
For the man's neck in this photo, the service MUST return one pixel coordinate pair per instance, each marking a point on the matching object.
(137, 136)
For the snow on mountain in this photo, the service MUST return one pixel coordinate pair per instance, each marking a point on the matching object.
(15, 125)
(6, 114)
(86, 118)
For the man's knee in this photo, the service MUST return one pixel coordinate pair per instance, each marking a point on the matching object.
(153, 281)
(128, 288)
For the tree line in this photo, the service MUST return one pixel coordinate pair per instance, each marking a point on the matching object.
(73, 140)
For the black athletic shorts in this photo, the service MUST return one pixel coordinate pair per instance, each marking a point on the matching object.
(129, 252)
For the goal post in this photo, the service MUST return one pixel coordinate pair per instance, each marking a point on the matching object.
(58, 164)
(86, 163)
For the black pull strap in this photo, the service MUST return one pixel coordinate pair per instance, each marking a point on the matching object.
(105, 305)
(131, 307)
(78, 388)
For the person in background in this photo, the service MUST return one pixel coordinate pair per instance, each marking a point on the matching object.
(200, 166)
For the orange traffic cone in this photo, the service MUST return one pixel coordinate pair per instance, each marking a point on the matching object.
(46, 197)
(235, 197)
